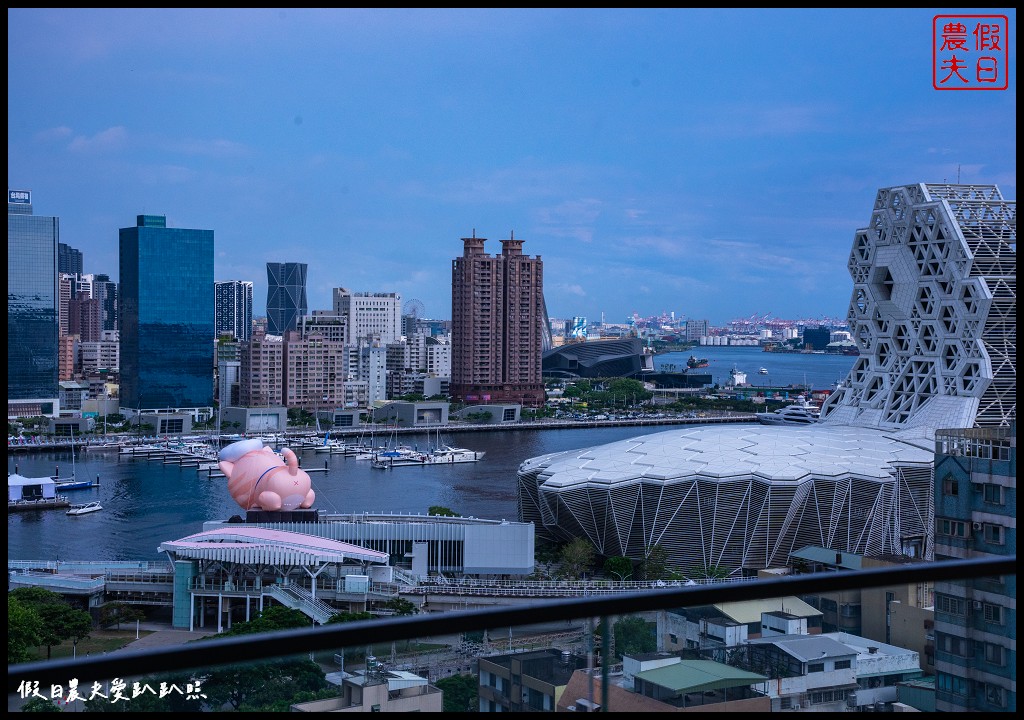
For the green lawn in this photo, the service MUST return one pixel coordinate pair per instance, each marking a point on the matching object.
(99, 641)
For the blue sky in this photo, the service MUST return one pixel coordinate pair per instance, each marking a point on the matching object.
(711, 163)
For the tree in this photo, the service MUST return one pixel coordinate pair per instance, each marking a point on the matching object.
(634, 635)
(24, 630)
(441, 511)
(655, 564)
(577, 558)
(401, 606)
(344, 617)
(620, 567)
(39, 704)
(461, 693)
(275, 617)
(710, 572)
(255, 685)
(60, 619)
(119, 612)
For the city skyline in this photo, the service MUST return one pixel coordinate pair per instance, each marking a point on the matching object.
(710, 163)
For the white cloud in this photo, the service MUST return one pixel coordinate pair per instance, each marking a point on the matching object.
(111, 139)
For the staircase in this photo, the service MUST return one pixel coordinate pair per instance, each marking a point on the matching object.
(298, 598)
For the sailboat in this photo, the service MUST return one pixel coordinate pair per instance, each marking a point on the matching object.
(73, 483)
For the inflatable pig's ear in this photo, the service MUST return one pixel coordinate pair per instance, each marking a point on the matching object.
(234, 452)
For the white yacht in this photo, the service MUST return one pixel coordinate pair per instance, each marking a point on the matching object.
(84, 509)
(801, 412)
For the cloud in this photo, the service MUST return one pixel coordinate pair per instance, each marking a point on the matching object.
(569, 289)
(211, 148)
(111, 139)
(55, 133)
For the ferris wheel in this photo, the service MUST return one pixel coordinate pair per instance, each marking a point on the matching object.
(413, 307)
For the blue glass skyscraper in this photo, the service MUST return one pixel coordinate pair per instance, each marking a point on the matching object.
(286, 296)
(32, 325)
(166, 314)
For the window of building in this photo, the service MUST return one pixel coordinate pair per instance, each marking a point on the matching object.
(993, 613)
(952, 684)
(994, 654)
(843, 664)
(993, 534)
(815, 667)
(993, 494)
(950, 486)
(952, 644)
(949, 604)
(785, 703)
(952, 528)
(995, 695)
(674, 639)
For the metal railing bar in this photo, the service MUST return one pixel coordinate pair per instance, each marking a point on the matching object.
(268, 646)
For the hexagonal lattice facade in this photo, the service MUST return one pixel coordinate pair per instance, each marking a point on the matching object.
(933, 311)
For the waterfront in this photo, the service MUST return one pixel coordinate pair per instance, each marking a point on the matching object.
(821, 372)
(146, 502)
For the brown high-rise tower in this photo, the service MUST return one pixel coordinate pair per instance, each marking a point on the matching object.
(497, 325)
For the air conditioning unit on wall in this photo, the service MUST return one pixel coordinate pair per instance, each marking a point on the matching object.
(976, 527)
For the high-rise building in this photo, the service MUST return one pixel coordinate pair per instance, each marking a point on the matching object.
(85, 318)
(65, 291)
(975, 641)
(373, 316)
(32, 323)
(261, 378)
(166, 311)
(286, 296)
(498, 325)
(234, 308)
(69, 260)
(105, 290)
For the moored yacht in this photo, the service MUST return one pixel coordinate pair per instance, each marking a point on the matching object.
(801, 412)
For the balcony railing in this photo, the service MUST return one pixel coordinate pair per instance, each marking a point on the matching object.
(365, 633)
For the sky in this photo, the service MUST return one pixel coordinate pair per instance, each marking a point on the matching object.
(714, 164)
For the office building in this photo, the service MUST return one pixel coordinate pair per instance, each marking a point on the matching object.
(975, 639)
(369, 316)
(101, 357)
(166, 311)
(32, 320)
(499, 325)
(696, 329)
(933, 312)
(286, 296)
(233, 315)
(69, 260)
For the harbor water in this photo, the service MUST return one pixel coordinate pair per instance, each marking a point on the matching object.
(819, 371)
(146, 502)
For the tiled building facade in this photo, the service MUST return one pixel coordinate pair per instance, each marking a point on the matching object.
(498, 322)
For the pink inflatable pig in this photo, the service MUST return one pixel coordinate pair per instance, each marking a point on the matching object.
(258, 479)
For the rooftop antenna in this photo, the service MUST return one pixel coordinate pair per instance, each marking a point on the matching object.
(958, 173)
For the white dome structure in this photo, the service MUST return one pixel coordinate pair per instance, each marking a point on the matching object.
(933, 314)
